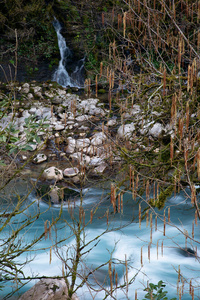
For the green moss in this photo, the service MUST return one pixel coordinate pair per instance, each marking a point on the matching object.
(54, 288)
(160, 203)
(101, 91)
(165, 155)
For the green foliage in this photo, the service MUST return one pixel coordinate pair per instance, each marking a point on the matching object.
(91, 61)
(30, 70)
(155, 292)
(9, 135)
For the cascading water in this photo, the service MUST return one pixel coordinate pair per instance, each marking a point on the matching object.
(156, 264)
(61, 75)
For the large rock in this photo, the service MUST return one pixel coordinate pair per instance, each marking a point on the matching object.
(71, 172)
(48, 289)
(57, 194)
(53, 173)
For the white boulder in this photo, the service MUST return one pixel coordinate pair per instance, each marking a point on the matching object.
(53, 173)
(56, 194)
(48, 289)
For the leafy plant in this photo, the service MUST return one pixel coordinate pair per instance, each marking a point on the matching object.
(155, 292)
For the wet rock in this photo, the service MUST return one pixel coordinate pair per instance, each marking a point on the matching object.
(39, 158)
(187, 252)
(48, 289)
(53, 173)
(71, 172)
(55, 194)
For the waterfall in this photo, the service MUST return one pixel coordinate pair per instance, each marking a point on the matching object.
(61, 75)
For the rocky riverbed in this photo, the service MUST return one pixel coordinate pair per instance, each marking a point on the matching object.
(68, 137)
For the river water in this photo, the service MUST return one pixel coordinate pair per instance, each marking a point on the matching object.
(157, 264)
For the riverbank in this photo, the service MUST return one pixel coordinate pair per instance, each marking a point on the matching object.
(55, 128)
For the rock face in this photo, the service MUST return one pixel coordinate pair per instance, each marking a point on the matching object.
(48, 289)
